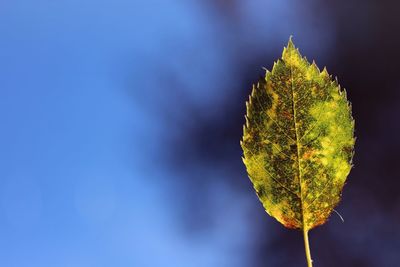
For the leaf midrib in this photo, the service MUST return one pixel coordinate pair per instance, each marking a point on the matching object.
(297, 147)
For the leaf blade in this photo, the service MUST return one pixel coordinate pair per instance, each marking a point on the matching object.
(298, 141)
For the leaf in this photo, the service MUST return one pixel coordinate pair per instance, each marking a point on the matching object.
(298, 141)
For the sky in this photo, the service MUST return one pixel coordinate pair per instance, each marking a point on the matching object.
(80, 183)
(120, 128)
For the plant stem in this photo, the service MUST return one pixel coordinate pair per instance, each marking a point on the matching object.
(307, 248)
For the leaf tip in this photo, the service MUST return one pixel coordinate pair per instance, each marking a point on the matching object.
(291, 55)
(290, 42)
(289, 47)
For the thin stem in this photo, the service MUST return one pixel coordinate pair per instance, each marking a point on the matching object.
(307, 248)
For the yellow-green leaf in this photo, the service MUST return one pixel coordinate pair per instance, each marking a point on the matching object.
(298, 141)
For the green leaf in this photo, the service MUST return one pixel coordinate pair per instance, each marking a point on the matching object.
(298, 141)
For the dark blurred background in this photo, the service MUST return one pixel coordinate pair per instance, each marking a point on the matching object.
(121, 120)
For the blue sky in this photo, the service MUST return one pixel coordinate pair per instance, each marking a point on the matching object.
(82, 84)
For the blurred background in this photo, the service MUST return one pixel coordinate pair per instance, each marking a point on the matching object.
(121, 120)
